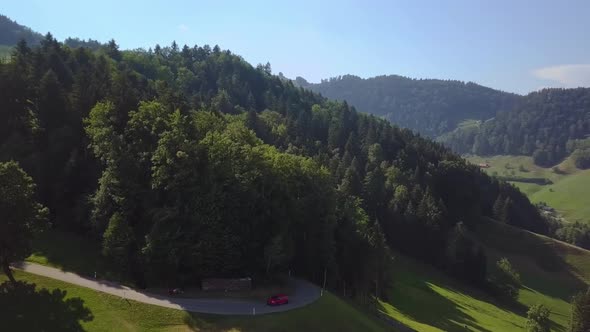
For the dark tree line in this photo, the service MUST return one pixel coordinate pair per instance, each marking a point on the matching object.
(547, 125)
(430, 107)
(188, 162)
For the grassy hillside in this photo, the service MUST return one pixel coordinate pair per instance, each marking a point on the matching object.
(552, 271)
(569, 196)
(569, 189)
(72, 253)
(421, 297)
(113, 313)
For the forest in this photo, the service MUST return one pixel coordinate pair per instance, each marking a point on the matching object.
(12, 32)
(549, 125)
(188, 162)
(429, 106)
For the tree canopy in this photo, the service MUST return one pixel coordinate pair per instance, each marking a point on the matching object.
(11, 33)
(548, 125)
(19, 215)
(580, 319)
(429, 106)
(188, 162)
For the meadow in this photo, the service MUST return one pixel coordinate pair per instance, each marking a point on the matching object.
(551, 271)
(568, 191)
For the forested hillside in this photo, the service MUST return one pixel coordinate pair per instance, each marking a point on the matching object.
(12, 32)
(189, 162)
(430, 107)
(548, 125)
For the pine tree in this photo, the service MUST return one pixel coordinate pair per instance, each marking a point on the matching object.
(498, 209)
(580, 319)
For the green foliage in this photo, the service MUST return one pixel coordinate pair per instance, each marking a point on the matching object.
(431, 107)
(466, 260)
(538, 319)
(20, 214)
(582, 158)
(117, 240)
(576, 233)
(580, 319)
(5, 53)
(547, 125)
(100, 129)
(11, 33)
(506, 279)
(208, 166)
(541, 157)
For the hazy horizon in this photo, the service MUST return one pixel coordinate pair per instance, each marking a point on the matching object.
(515, 47)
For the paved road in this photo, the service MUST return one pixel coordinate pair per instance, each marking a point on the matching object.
(304, 294)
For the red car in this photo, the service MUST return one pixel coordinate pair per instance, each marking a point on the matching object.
(278, 299)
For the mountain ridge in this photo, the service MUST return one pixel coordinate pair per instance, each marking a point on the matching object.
(431, 107)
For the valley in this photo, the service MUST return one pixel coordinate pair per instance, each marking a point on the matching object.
(567, 188)
(182, 187)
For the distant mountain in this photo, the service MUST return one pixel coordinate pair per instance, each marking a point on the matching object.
(428, 106)
(12, 32)
(549, 125)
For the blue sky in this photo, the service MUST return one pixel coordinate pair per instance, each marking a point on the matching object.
(517, 45)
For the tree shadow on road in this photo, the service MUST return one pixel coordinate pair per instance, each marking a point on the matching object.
(24, 308)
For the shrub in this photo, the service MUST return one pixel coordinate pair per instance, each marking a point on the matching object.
(506, 279)
(541, 157)
(582, 158)
(580, 319)
(538, 319)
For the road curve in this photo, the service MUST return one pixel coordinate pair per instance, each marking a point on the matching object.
(304, 294)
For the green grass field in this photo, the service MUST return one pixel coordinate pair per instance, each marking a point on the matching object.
(112, 313)
(427, 300)
(70, 252)
(420, 297)
(568, 194)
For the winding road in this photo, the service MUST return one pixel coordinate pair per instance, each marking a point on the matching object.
(304, 294)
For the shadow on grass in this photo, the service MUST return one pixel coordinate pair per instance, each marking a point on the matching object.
(556, 327)
(426, 306)
(74, 253)
(549, 274)
(23, 308)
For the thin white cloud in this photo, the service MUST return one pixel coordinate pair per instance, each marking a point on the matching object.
(183, 28)
(570, 76)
